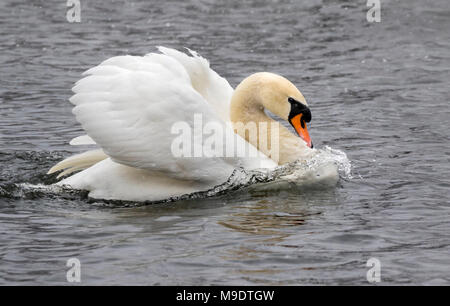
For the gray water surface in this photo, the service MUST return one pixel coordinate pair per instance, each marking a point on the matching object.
(377, 91)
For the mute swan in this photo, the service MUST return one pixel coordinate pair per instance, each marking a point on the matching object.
(129, 104)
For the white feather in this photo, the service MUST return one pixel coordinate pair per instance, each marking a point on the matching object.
(82, 140)
(128, 104)
(78, 162)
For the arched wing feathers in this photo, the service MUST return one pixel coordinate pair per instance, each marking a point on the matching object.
(128, 105)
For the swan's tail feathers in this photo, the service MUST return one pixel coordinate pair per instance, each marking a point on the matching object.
(78, 162)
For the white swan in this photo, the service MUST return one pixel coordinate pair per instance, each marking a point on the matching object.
(129, 104)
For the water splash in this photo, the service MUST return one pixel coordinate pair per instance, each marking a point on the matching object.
(339, 158)
(323, 168)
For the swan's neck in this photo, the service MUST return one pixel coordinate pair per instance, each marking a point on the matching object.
(247, 111)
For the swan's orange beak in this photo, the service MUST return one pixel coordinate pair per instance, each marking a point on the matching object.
(302, 131)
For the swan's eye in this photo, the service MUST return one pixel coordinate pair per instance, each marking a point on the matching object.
(299, 108)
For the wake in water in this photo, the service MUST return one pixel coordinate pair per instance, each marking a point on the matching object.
(322, 170)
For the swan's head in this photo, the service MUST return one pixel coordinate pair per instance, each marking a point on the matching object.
(279, 96)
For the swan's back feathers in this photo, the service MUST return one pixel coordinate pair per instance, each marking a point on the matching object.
(213, 88)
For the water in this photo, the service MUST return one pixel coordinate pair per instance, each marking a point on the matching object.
(378, 92)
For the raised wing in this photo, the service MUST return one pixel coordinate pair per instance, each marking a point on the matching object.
(129, 104)
(211, 86)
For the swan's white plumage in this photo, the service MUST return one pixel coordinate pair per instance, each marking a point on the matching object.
(214, 89)
(128, 104)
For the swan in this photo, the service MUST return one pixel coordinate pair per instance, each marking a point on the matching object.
(128, 106)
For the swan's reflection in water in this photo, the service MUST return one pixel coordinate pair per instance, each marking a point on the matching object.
(272, 234)
(261, 236)
(266, 211)
(258, 218)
